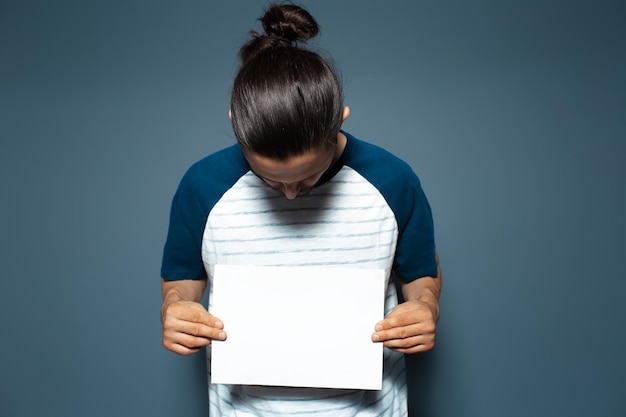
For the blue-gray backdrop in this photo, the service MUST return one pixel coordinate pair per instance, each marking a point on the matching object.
(511, 112)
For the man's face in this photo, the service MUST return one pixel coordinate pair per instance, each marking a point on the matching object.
(294, 176)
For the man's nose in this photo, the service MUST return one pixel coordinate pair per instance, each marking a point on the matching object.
(291, 190)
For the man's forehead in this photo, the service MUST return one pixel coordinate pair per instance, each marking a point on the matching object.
(293, 169)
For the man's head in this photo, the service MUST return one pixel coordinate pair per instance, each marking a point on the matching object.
(286, 100)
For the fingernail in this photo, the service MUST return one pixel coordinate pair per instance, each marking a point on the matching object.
(219, 325)
(375, 337)
(379, 327)
(221, 336)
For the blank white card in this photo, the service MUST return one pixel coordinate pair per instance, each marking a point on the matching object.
(301, 327)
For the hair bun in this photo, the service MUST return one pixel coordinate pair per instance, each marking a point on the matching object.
(289, 22)
(283, 25)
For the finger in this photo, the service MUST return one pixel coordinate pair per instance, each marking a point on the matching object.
(188, 341)
(420, 347)
(182, 343)
(173, 325)
(404, 332)
(194, 329)
(412, 344)
(180, 349)
(193, 312)
(399, 319)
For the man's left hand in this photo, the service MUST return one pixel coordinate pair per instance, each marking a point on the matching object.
(409, 328)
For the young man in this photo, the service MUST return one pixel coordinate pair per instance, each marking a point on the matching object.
(297, 191)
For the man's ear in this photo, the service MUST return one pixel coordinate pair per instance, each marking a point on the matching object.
(345, 114)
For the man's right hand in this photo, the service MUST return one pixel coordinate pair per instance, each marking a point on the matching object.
(188, 327)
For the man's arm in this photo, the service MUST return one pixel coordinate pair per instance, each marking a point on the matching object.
(411, 326)
(187, 325)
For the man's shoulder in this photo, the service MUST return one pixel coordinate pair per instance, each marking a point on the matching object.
(377, 164)
(222, 167)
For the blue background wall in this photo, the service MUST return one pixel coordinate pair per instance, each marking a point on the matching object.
(512, 113)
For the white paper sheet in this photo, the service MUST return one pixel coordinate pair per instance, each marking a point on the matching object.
(301, 327)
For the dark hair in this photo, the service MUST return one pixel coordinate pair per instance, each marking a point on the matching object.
(286, 100)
